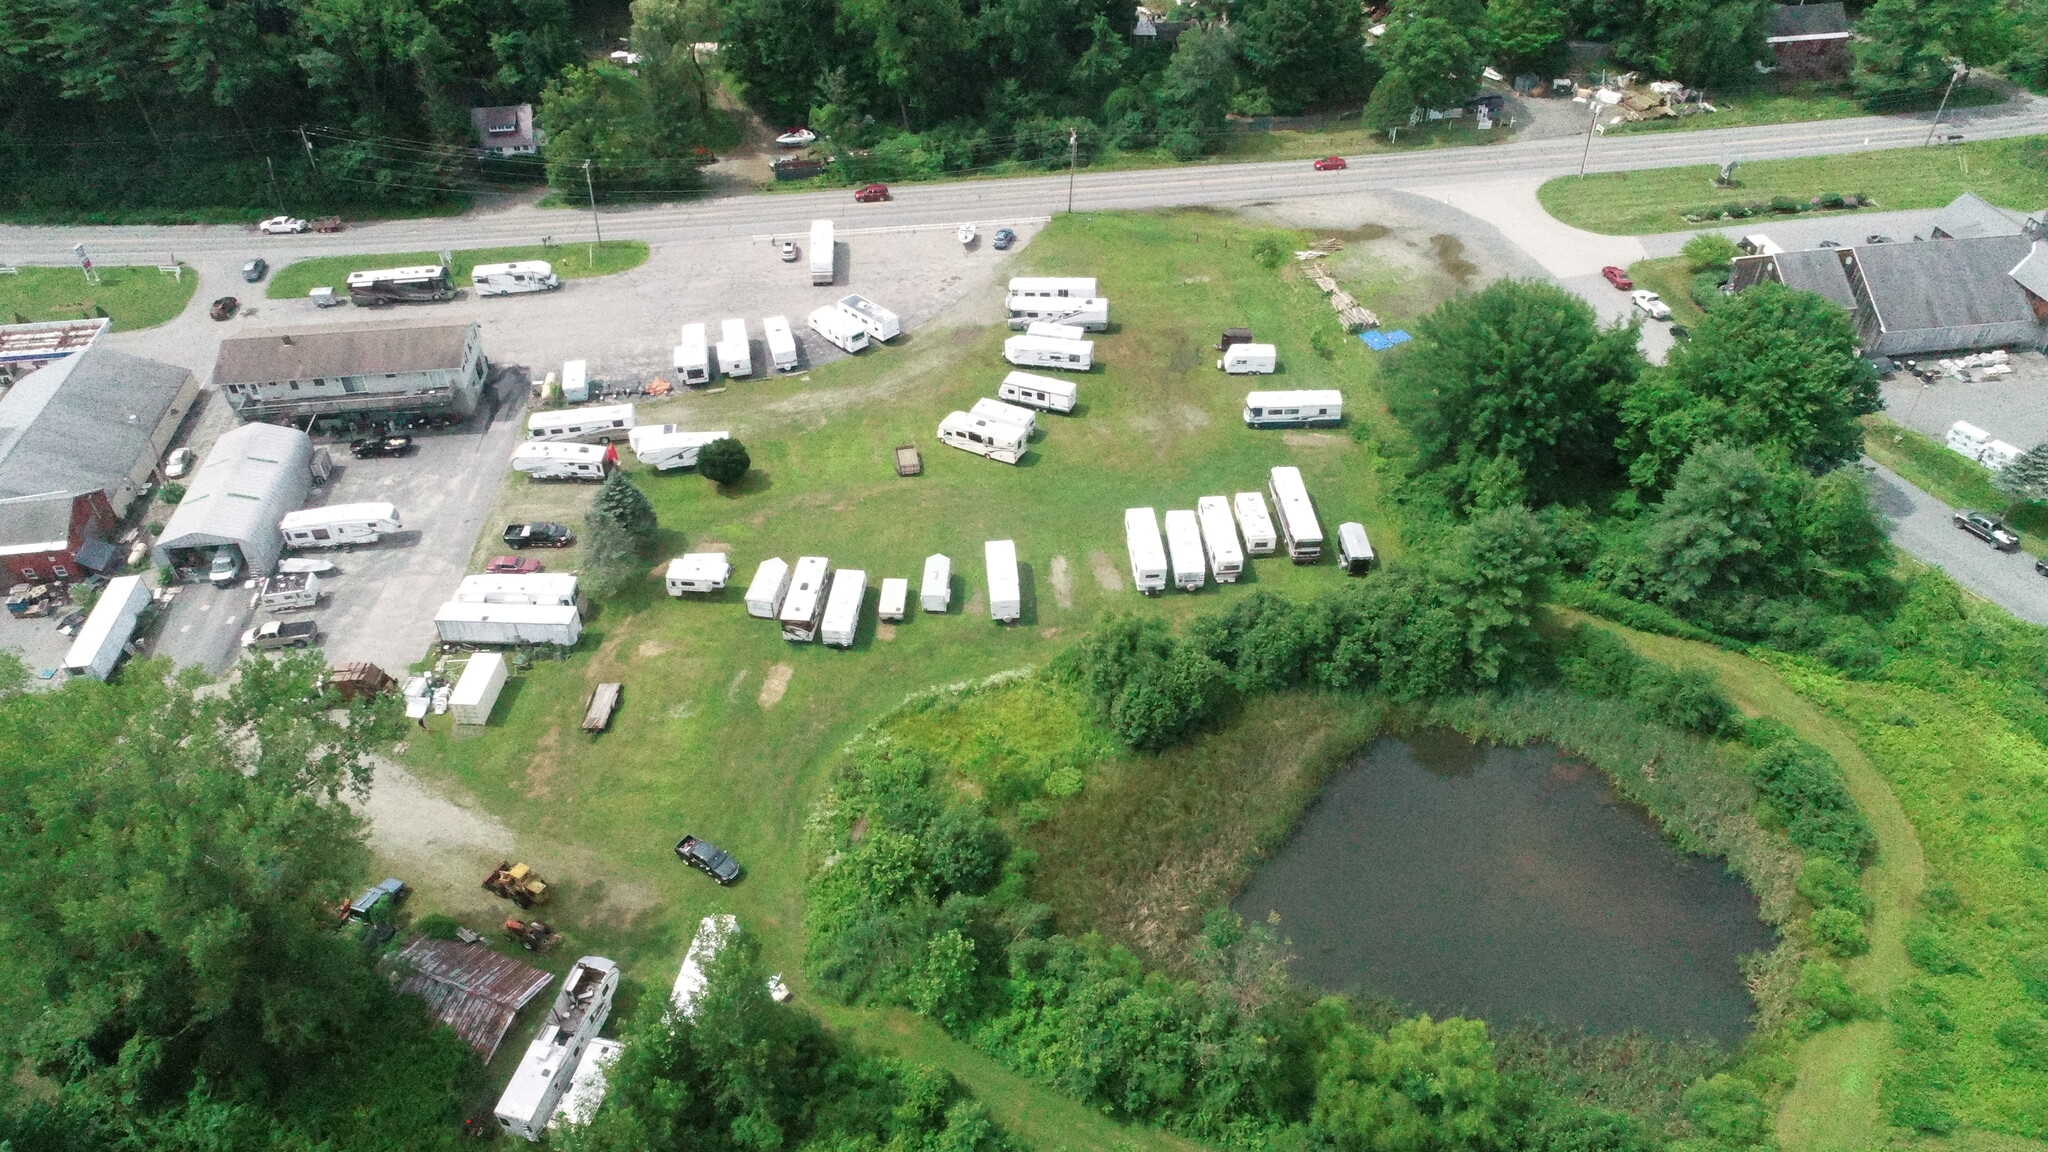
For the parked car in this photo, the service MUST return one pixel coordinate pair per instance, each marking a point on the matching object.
(281, 634)
(1988, 530)
(1617, 277)
(1650, 304)
(371, 446)
(1680, 332)
(1877, 238)
(374, 897)
(282, 226)
(1830, 244)
(2041, 566)
(225, 569)
(788, 250)
(513, 565)
(708, 858)
(255, 269)
(178, 464)
(796, 138)
(223, 308)
(1331, 164)
(1004, 238)
(872, 193)
(539, 534)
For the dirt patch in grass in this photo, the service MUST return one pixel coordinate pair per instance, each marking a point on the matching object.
(1314, 440)
(1062, 578)
(649, 649)
(774, 684)
(1450, 258)
(885, 630)
(1106, 575)
(540, 769)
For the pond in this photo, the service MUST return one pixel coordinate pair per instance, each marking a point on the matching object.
(1509, 884)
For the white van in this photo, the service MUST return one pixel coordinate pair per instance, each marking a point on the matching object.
(1354, 550)
(665, 446)
(1003, 413)
(839, 328)
(1028, 351)
(842, 607)
(698, 572)
(693, 355)
(770, 583)
(1249, 359)
(880, 323)
(1298, 526)
(1219, 538)
(936, 592)
(1005, 593)
(1184, 547)
(1148, 553)
(548, 460)
(804, 602)
(895, 599)
(1255, 524)
(997, 441)
(781, 343)
(1041, 392)
(599, 424)
(575, 381)
(1293, 409)
(735, 353)
(339, 525)
(514, 278)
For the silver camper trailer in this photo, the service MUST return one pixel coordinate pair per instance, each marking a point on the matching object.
(781, 343)
(665, 446)
(1184, 549)
(550, 460)
(693, 355)
(1250, 359)
(1219, 538)
(735, 351)
(839, 327)
(1040, 392)
(1298, 527)
(1005, 590)
(880, 323)
(1354, 550)
(804, 602)
(1255, 524)
(1148, 553)
(598, 424)
(935, 594)
(841, 621)
(1302, 409)
(339, 525)
(983, 437)
(765, 592)
(1028, 351)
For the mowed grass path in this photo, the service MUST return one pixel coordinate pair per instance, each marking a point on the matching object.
(570, 261)
(132, 296)
(729, 732)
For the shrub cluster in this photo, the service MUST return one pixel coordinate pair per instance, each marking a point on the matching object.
(1597, 663)
(1802, 789)
(1778, 206)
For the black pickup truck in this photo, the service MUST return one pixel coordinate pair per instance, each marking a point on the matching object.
(538, 535)
(708, 858)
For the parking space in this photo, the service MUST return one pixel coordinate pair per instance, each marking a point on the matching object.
(38, 643)
(2013, 408)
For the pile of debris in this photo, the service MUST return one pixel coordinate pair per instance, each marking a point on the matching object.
(1631, 102)
(1349, 312)
(1980, 367)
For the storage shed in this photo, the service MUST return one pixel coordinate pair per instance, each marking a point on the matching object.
(254, 475)
(936, 592)
(476, 690)
(1005, 590)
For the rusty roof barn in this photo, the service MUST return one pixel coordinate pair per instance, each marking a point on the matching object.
(470, 988)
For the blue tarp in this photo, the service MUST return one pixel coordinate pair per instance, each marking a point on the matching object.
(1381, 341)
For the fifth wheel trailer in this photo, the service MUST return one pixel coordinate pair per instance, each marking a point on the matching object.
(597, 424)
(1298, 527)
(781, 343)
(1184, 547)
(770, 584)
(572, 1022)
(1041, 392)
(1257, 526)
(842, 608)
(1148, 553)
(665, 446)
(1005, 590)
(838, 326)
(805, 600)
(1219, 537)
(821, 252)
(693, 355)
(339, 525)
(100, 640)
(735, 353)
(936, 592)
(1028, 351)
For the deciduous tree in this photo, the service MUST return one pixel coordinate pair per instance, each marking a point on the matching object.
(1426, 1086)
(1430, 57)
(723, 462)
(2026, 478)
(1304, 51)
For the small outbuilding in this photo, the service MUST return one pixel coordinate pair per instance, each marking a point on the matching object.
(476, 690)
(507, 130)
(253, 476)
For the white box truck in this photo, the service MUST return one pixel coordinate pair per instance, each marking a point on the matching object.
(839, 328)
(1000, 442)
(1298, 527)
(698, 572)
(1005, 590)
(735, 353)
(1029, 311)
(1003, 413)
(842, 608)
(1041, 392)
(663, 447)
(881, 323)
(936, 591)
(596, 424)
(1354, 548)
(1147, 551)
(1219, 538)
(1052, 287)
(494, 624)
(517, 588)
(1249, 359)
(339, 525)
(552, 460)
(288, 592)
(894, 601)
(765, 591)
(1184, 549)
(1028, 351)
(572, 1022)
(514, 278)
(587, 1085)
(1301, 409)
(693, 355)
(822, 256)
(476, 690)
(575, 381)
(804, 602)
(1255, 524)
(107, 629)
(781, 343)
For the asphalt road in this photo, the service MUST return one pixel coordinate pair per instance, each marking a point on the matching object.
(1922, 527)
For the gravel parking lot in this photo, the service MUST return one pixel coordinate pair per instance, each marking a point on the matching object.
(2012, 408)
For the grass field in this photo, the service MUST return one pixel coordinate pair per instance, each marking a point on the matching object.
(2010, 173)
(1951, 478)
(570, 261)
(1671, 278)
(131, 296)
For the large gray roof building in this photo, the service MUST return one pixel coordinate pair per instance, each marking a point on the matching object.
(1941, 295)
(96, 420)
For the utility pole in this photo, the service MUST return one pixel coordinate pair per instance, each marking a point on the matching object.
(594, 221)
(309, 150)
(1594, 100)
(1952, 78)
(271, 168)
(1073, 153)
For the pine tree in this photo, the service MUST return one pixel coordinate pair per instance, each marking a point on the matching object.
(2026, 478)
(617, 535)
(622, 503)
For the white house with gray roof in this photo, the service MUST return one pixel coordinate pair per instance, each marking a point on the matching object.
(289, 374)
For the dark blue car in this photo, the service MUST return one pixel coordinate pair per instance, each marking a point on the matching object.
(1004, 238)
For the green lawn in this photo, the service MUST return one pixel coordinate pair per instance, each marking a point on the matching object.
(2011, 173)
(571, 262)
(1951, 478)
(1671, 278)
(133, 297)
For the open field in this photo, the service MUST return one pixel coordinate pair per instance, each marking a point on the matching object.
(570, 261)
(2010, 173)
(132, 296)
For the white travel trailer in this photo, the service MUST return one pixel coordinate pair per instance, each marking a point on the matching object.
(1249, 359)
(936, 592)
(578, 1014)
(107, 630)
(1056, 331)
(339, 525)
(665, 446)
(1005, 590)
(1028, 311)
(1219, 538)
(1255, 524)
(1293, 409)
(1298, 527)
(587, 1085)
(781, 343)
(1052, 287)
(514, 278)
(821, 252)
(1003, 413)
(804, 602)
(735, 353)
(983, 437)
(712, 933)
(698, 572)
(476, 690)
(693, 355)
(598, 424)
(517, 588)
(288, 592)
(842, 607)
(1148, 552)
(881, 323)
(493, 624)
(894, 601)
(1184, 547)
(575, 381)
(765, 592)
(840, 328)
(1042, 392)
(1028, 351)
(1354, 550)
(549, 460)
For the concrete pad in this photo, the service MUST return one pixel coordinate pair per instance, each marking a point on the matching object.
(1511, 206)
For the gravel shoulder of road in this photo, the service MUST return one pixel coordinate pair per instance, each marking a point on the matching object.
(1924, 528)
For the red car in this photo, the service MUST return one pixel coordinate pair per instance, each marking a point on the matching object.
(1617, 277)
(1331, 164)
(515, 565)
(872, 193)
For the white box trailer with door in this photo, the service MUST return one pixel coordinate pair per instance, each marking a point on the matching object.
(1028, 351)
(288, 592)
(781, 343)
(1354, 548)
(894, 601)
(936, 592)
(1041, 392)
(1005, 590)
(1298, 527)
(735, 353)
(842, 608)
(1250, 359)
(1147, 551)
(1002, 413)
(107, 628)
(839, 328)
(1028, 311)
(461, 623)
(804, 602)
(517, 588)
(1052, 287)
(693, 355)
(822, 256)
(596, 424)
(553, 460)
(1301, 409)
(765, 591)
(698, 572)
(880, 323)
(339, 525)
(575, 381)
(1255, 524)
(514, 278)
(1184, 550)
(573, 1021)
(666, 446)
(1219, 538)
(997, 441)
(476, 690)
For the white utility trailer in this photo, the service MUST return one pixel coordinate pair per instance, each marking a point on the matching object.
(514, 278)
(107, 628)
(1354, 549)
(1002, 413)
(1041, 392)
(1255, 524)
(1147, 551)
(476, 690)
(1005, 590)
(1030, 311)
(781, 343)
(842, 608)
(735, 352)
(554, 460)
(983, 437)
(1301, 409)
(494, 624)
(822, 257)
(339, 525)
(1250, 359)
(895, 599)
(596, 424)
(1052, 287)
(839, 328)
(575, 381)
(804, 602)
(936, 592)
(666, 446)
(881, 324)
(517, 588)
(1298, 527)
(1184, 550)
(1219, 538)
(693, 355)
(1028, 351)
(698, 572)
(770, 584)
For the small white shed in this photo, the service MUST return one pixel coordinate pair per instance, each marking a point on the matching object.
(895, 598)
(698, 572)
(1005, 594)
(476, 690)
(771, 581)
(936, 593)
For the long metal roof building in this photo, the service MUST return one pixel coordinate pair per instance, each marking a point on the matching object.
(252, 477)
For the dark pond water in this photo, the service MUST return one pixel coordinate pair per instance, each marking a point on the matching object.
(1508, 883)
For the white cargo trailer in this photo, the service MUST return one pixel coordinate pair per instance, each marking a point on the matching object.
(1056, 331)
(552, 460)
(712, 933)
(514, 278)
(822, 256)
(781, 343)
(1001, 442)
(476, 690)
(1184, 547)
(936, 592)
(693, 355)
(1219, 538)
(288, 592)
(698, 572)
(575, 381)
(1052, 287)
(1005, 590)
(1254, 359)
(895, 599)
(1029, 311)
(666, 446)
(1293, 409)
(1148, 552)
(1030, 351)
(587, 1085)
(494, 624)
(804, 602)
(1257, 526)
(735, 352)
(880, 323)
(840, 329)
(1354, 548)
(1298, 527)
(1041, 392)
(842, 608)
(517, 588)
(765, 592)
(572, 1022)
(107, 629)
(339, 525)
(1003, 413)
(597, 424)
